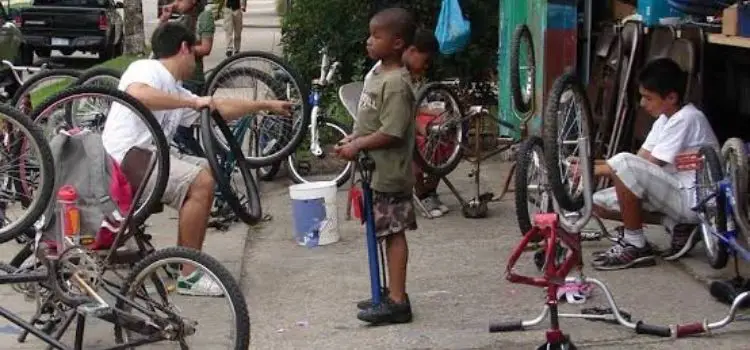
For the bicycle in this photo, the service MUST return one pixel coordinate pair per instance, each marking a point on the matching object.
(323, 134)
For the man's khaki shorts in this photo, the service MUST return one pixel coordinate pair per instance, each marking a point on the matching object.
(183, 170)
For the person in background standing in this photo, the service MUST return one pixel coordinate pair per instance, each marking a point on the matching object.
(233, 24)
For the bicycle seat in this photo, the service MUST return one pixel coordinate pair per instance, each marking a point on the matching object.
(349, 95)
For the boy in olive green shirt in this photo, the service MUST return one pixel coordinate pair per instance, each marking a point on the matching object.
(385, 129)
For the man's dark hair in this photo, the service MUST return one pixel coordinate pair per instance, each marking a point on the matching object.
(168, 38)
(663, 76)
(426, 42)
(399, 22)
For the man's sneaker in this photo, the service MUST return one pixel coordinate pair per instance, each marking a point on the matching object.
(615, 235)
(443, 208)
(624, 255)
(684, 238)
(196, 284)
(432, 207)
(387, 312)
(229, 53)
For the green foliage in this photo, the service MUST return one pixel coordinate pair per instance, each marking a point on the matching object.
(342, 25)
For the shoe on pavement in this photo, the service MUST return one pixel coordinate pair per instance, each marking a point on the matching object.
(388, 312)
(684, 238)
(432, 207)
(623, 255)
(443, 208)
(229, 53)
(366, 304)
(197, 284)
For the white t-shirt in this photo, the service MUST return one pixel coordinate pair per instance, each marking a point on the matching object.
(685, 130)
(124, 130)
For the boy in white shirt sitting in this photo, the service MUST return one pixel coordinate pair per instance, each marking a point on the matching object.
(649, 181)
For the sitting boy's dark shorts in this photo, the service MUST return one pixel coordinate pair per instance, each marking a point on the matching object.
(394, 213)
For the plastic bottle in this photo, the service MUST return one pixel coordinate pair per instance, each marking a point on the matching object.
(70, 216)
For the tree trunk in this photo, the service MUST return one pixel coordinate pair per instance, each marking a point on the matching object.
(135, 39)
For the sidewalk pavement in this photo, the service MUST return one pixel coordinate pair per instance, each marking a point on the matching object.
(305, 298)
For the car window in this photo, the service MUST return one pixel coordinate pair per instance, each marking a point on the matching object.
(79, 3)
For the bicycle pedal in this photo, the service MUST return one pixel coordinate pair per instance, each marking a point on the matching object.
(94, 309)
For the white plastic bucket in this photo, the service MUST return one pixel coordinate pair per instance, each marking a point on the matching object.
(314, 209)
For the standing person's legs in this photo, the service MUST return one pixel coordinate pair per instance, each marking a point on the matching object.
(394, 215)
(229, 30)
(237, 23)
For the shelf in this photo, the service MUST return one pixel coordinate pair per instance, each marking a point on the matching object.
(736, 41)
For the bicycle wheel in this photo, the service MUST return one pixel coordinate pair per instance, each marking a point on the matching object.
(714, 220)
(88, 107)
(240, 74)
(100, 76)
(41, 85)
(560, 134)
(302, 164)
(251, 83)
(522, 69)
(29, 173)
(532, 196)
(166, 319)
(443, 136)
(247, 207)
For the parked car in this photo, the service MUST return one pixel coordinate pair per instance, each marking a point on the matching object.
(93, 26)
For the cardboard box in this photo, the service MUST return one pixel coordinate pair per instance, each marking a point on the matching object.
(729, 21)
(621, 10)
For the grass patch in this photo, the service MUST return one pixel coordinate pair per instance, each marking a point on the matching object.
(39, 95)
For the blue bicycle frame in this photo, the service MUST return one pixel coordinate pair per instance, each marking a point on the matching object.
(725, 193)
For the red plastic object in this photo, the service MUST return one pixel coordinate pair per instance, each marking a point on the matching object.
(690, 329)
(71, 220)
(688, 161)
(355, 196)
(67, 193)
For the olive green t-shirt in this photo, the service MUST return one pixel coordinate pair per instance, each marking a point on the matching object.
(204, 27)
(387, 105)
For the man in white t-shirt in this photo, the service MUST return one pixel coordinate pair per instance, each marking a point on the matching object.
(157, 84)
(649, 182)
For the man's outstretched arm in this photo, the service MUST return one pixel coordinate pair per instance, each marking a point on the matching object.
(157, 100)
(233, 108)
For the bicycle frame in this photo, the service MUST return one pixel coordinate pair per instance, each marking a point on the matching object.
(327, 70)
(725, 194)
(96, 306)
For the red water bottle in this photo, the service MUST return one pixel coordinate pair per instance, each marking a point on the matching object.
(70, 217)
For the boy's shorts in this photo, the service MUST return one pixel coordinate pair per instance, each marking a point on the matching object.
(444, 149)
(394, 213)
(659, 191)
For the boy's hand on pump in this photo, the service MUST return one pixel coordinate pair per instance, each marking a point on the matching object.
(347, 148)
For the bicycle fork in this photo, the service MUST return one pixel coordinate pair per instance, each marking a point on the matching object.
(315, 148)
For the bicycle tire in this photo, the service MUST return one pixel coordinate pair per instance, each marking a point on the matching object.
(565, 82)
(524, 160)
(342, 177)
(455, 158)
(734, 155)
(97, 72)
(521, 34)
(716, 251)
(43, 193)
(142, 213)
(222, 275)
(303, 89)
(35, 79)
(252, 213)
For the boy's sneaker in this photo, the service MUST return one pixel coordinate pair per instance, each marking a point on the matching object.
(366, 304)
(196, 284)
(387, 312)
(432, 206)
(624, 255)
(443, 208)
(684, 238)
